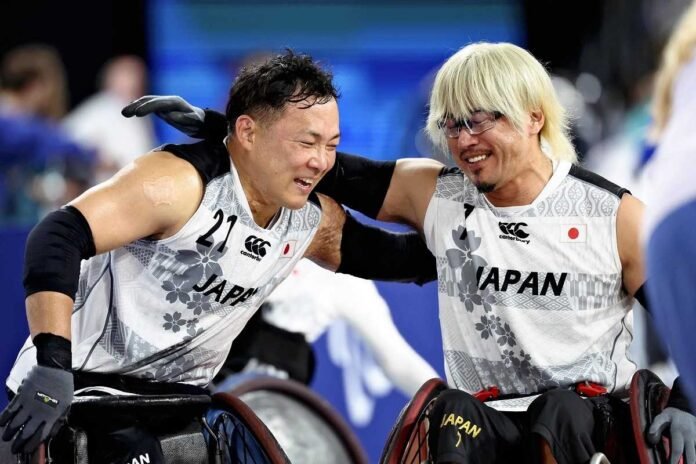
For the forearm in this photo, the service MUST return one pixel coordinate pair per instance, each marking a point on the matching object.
(49, 312)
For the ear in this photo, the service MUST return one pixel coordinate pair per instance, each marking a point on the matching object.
(245, 129)
(536, 122)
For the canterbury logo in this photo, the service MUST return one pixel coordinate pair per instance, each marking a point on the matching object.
(514, 228)
(256, 246)
(513, 231)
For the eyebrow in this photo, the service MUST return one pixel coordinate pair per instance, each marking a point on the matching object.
(317, 135)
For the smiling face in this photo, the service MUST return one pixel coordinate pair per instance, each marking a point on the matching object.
(500, 154)
(506, 80)
(289, 153)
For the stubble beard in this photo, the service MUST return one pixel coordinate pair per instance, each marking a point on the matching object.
(485, 187)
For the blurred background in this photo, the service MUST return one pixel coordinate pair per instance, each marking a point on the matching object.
(68, 68)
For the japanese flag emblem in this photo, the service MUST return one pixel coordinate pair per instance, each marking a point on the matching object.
(574, 233)
(288, 249)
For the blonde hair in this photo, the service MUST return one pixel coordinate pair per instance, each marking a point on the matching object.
(499, 77)
(677, 52)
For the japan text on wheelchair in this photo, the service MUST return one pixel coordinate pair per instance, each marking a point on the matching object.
(408, 441)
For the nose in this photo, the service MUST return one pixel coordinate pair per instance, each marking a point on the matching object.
(323, 160)
(465, 139)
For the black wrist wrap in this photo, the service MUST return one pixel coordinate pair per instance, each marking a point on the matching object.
(53, 351)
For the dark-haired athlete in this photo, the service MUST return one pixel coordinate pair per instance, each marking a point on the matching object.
(181, 248)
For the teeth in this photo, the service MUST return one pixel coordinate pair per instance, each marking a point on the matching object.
(305, 181)
(476, 159)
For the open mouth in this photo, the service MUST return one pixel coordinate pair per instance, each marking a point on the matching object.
(304, 182)
(477, 158)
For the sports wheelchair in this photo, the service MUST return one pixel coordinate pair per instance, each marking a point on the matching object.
(191, 429)
(407, 442)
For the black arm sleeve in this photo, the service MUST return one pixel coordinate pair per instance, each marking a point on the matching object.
(377, 254)
(54, 250)
(214, 126)
(358, 182)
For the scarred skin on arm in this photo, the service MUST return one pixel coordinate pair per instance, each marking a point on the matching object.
(160, 190)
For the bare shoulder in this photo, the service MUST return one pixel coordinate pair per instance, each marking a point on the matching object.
(630, 210)
(410, 191)
(153, 196)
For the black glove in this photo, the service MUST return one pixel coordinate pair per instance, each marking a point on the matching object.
(39, 409)
(173, 109)
(682, 430)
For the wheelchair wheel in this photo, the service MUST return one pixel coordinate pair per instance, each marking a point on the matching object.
(305, 425)
(648, 398)
(408, 440)
(261, 435)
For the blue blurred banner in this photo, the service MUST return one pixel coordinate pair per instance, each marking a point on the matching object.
(383, 55)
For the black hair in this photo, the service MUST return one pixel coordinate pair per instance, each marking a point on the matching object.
(263, 89)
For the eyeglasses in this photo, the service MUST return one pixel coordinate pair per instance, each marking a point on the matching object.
(478, 122)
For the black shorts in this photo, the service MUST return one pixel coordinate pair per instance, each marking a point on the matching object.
(465, 430)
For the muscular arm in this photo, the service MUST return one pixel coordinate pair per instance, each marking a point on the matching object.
(628, 223)
(411, 188)
(153, 197)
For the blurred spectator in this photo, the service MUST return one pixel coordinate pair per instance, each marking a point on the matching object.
(671, 214)
(41, 166)
(97, 122)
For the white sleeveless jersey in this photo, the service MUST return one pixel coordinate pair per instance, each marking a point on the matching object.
(169, 310)
(531, 297)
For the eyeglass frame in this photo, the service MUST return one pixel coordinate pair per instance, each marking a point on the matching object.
(469, 125)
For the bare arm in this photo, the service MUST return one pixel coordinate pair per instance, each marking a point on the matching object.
(325, 249)
(153, 197)
(628, 223)
(411, 188)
